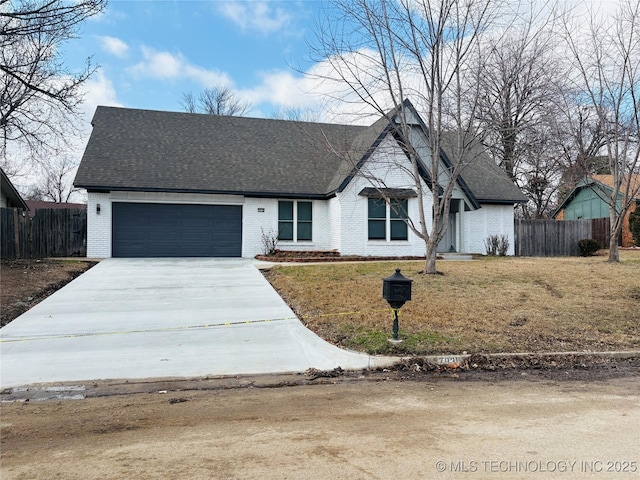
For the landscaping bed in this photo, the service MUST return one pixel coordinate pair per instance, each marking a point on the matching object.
(292, 256)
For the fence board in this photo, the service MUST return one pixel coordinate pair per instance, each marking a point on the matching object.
(600, 231)
(50, 233)
(552, 238)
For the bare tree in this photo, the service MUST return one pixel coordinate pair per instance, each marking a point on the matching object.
(297, 114)
(580, 138)
(189, 102)
(215, 101)
(540, 173)
(522, 87)
(54, 180)
(39, 94)
(607, 62)
(517, 90)
(383, 52)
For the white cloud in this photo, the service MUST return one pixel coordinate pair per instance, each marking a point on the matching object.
(98, 90)
(114, 46)
(320, 88)
(313, 91)
(167, 66)
(259, 15)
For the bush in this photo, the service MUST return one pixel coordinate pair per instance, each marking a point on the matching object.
(634, 225)
(269, 242)
(496, 245)
(491, 245)
(503, 245)
(588, 247)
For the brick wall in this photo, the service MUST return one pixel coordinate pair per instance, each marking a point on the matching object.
(98, 225)
(339, 223)
(488, 220)
(627, 236)
(383, 166)
(255, 221)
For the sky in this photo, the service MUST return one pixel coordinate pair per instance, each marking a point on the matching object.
(151, 52)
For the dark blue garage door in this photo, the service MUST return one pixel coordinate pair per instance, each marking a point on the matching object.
(163, 230)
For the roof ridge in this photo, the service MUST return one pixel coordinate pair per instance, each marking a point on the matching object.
(210, 115)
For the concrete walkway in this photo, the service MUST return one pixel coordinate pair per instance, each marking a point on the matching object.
(159, 318)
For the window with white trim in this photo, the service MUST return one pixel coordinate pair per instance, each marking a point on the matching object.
(295, 220)
(387, 219)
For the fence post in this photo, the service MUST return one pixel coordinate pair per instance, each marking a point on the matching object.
(16, 232)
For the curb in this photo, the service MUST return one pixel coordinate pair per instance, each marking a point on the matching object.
(454, 361)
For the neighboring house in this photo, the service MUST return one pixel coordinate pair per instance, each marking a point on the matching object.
(35, 205)
(180, 184)
(9, 196)
(590, 199)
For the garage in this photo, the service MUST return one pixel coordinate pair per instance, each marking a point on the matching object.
(176, 230)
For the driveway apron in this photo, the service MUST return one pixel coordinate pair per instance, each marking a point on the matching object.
(163, 318)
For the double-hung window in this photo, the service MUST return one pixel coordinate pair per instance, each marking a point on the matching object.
(387, 219)
(295, 220)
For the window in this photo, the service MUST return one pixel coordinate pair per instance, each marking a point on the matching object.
(294, 221)
(387, 220)
(377, 219)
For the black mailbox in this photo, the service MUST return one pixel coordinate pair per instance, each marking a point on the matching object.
(396, 289)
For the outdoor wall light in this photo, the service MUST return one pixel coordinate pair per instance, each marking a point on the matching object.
(98, 208)
(396, 290)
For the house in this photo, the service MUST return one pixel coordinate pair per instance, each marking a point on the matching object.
(590, 199)
(35, 205)
(181, 184)
(9, 196)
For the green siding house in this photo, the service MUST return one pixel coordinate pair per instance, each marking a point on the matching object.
(589, 200)
(587, 203)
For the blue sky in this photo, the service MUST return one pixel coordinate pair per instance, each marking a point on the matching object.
(150, 52)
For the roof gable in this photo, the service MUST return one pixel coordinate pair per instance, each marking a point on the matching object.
(482, 181)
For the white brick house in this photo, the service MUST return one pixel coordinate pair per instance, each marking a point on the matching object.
(178, 184)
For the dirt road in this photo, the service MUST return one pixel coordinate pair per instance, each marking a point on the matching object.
(434, 429)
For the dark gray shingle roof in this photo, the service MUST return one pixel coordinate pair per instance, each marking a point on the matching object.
(151, 150)
(488, 182)
(148, 150)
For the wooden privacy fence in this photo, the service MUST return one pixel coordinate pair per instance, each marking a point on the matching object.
(553, 238)
(49, 233)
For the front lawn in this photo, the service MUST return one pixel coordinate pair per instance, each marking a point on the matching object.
(488, 305)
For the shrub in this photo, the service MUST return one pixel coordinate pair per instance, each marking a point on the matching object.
(634, 225)
(491, 245)
(588, 247)
(496, 245)
(503, 245)
(269, 242)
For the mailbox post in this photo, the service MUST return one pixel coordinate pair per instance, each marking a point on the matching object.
(396, 290)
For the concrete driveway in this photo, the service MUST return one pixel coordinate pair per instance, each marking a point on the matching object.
(155, 318)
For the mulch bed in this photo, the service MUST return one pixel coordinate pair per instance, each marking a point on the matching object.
(325, 256)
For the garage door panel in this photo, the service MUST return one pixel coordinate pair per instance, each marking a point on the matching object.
(172, 230)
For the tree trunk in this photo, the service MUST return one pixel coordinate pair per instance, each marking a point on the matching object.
(614, 254)
(431, 256)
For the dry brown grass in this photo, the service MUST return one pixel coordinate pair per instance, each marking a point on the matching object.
(486, 305)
